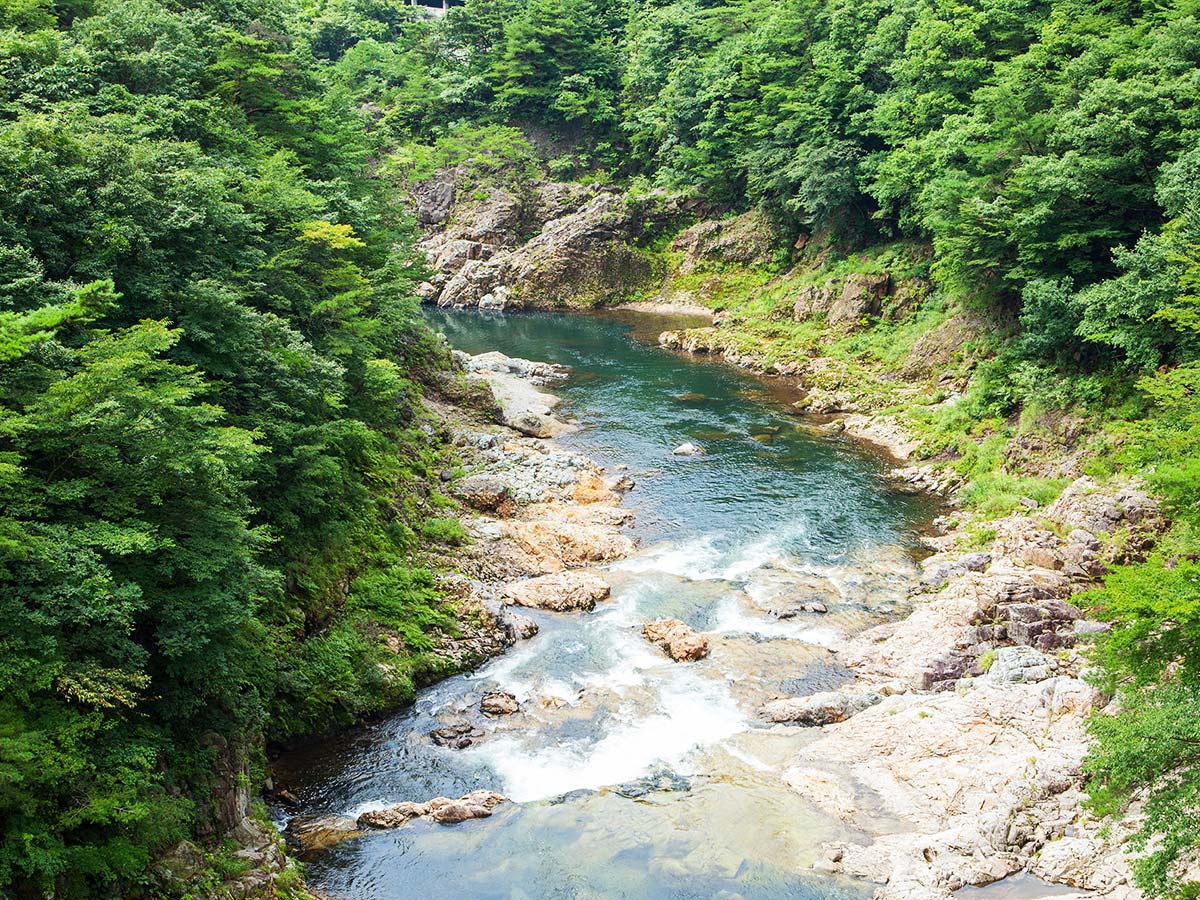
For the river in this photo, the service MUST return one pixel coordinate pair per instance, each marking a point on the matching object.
(633, 776)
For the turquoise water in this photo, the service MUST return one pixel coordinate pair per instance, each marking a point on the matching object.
(633, 776)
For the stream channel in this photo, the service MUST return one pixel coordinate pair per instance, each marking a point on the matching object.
(634, 776)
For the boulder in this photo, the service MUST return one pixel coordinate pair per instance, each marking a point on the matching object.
(688, 449)
(559, 591)
(679, 641)
(485, 492)
(445, 811)
(862, 295)
(457, 736)
(499, 703)
(824, 708)
(747, 240)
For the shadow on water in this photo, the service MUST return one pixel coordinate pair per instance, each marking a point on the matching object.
(637, 777)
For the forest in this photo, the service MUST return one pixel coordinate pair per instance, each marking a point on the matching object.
(218, 481)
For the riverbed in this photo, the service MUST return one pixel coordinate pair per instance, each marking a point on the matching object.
(634, 776)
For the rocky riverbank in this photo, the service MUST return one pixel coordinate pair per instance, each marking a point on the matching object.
(539, 520)
(957, 751)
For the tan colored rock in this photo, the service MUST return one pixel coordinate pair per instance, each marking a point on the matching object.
(323, 832)
(499, 703)
(445, 811)
(679, 641)
(861, 295)
(591, 488)
(559, 592)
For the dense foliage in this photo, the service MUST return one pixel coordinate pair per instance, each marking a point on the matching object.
(210, 426)
(211, 432)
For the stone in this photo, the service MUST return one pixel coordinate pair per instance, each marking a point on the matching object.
(679, 641)
(559, 591)
(688, 449)
(499, 703)
(823, 708)
(179, 865)
(861, 296)
(322, 832)
(443, 810)
(1020, 664)
(457, 736)
(485, 492)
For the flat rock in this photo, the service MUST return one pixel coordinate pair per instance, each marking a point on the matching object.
(559, 591)
(824, 708)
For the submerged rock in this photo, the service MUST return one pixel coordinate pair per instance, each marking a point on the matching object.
(475, 805)
(688, 449)
(559, 591)
(457, 736)
(315, 833)
(679, 641)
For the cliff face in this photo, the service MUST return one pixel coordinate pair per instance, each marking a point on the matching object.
(540, 245)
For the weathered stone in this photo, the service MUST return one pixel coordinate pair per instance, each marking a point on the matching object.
(861, 296)
(824, 708)
(1020, 664)
(485, 492)
(679, 641)
(322, 832)
(559, 591)
(499, 703)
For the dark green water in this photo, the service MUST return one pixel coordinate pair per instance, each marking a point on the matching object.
(642, 778)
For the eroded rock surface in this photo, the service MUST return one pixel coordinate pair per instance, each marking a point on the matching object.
(475, 805)
(676, 639)
(559, 592)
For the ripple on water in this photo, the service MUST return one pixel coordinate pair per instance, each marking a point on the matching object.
(639, 777)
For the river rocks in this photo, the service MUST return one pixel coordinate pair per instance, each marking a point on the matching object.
(313, 833)
(486, 492)
(679, 641)
(443, 810)
(952, 772)
(512, 381)
(558, 536)
(688, 449)
(559, 592)
(456, 736)
(824, 708)
(499, 703)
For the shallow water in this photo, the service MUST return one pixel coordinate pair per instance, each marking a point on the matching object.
(635, 776)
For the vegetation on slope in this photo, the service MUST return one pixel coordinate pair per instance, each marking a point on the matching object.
(210, 422)
(212, 439)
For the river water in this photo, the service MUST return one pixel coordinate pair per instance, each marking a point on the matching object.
(633, 776)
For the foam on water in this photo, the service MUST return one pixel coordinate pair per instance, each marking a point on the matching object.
(731, 618)
(690, 713)
(698, 559)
